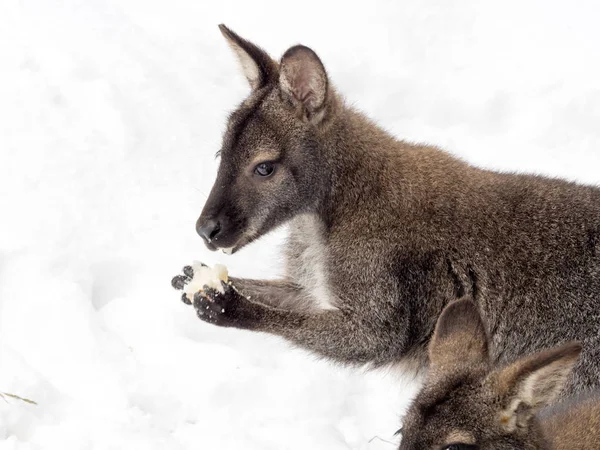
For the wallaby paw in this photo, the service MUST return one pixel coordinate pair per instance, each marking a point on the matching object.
(180, 281)
(219, 308)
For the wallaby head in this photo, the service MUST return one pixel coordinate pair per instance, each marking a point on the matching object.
(271, 168)
(467, 404)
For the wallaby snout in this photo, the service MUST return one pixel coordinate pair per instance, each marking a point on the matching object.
(208, 229)
(223, 223)
(221, 228)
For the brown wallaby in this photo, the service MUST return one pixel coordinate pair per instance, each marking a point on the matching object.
(468, 403)
(384, 233)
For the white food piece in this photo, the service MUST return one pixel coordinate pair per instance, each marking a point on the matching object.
(206, 276)
(228, 251)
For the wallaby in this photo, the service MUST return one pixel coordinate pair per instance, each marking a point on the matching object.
(469, 403)
(384, 233)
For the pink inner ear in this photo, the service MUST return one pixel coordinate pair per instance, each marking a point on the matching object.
(305, 87)
(300, 82)
(304, 78)
(302, 92)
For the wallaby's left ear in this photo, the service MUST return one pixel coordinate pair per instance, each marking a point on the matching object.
(459, 339)
(303, 81)
(534, 382)
(258, 67)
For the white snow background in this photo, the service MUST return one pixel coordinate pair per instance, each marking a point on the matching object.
(110, 115)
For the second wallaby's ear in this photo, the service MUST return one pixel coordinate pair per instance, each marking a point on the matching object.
(303, 81)
(258, 67)
(534, 382)
(459, 338)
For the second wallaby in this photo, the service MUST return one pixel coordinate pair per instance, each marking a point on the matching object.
(384, 233)
(469, 403)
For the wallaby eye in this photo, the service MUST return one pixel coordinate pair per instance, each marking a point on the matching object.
(264, 169)
(460, 447)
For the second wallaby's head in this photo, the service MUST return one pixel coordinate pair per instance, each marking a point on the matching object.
(271, 166)
(467, 404)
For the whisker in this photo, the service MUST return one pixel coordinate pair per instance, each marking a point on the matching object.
(382, 440)
(201, 192)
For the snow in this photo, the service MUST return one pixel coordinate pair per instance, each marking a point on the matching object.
(110, 115)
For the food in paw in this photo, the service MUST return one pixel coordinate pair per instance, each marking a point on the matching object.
(205, 276)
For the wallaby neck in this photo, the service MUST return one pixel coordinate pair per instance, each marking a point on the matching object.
(357, 155)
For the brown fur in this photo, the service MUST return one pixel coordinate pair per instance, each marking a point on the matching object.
(574, 425)
(468, 402)
(385, 233)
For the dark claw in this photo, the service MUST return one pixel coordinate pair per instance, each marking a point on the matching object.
(179, 281)
(188, 271)
(185, 299)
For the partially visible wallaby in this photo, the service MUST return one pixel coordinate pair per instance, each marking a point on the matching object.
(469, 403)
(383, 233)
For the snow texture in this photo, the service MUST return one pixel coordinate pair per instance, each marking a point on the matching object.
(110, 115)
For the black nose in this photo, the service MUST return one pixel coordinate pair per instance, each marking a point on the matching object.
(208, 229)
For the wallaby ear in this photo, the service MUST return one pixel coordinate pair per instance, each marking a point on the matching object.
(459, 339)
(534, 382)
(303, 81)
(258, 67)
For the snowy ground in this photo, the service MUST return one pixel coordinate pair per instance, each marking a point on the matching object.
(110, 114)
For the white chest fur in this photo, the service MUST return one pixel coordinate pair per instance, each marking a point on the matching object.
(307, 259)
